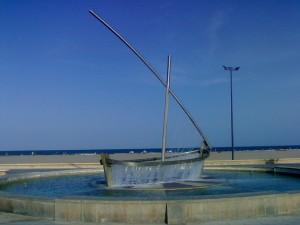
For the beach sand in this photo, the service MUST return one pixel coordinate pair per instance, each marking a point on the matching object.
(239, 155)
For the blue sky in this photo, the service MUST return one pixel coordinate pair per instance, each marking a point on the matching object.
(67, 83)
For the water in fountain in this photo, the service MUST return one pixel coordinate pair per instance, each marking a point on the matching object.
(93, 185)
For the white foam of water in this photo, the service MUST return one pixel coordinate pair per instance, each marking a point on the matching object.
(133, 175)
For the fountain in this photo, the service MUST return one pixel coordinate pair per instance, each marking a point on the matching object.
(233, 192)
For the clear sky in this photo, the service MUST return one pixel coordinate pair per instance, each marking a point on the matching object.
(68, 83)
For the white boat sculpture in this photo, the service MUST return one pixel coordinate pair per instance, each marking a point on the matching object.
(169, 168)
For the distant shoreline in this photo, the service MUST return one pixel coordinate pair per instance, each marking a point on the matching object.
(141, 150)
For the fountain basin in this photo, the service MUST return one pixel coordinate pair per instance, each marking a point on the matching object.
(160, 206)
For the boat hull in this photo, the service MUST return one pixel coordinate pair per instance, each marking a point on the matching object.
(185, 167)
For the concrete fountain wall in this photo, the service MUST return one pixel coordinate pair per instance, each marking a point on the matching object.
(171, 212)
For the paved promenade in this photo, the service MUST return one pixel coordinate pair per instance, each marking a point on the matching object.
(14, 219)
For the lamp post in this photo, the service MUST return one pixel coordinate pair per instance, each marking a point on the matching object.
(231, 69)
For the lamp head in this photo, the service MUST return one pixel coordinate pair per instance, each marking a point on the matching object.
(231, 68)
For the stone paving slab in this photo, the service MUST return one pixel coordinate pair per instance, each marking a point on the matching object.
(9, 218)
(281, 220)
(14, 219)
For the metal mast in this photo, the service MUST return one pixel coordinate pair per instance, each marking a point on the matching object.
(156, 74)
(166, 112)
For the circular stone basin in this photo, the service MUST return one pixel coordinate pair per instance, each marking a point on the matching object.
(214, 183)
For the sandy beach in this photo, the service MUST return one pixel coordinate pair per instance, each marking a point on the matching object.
(239, 155)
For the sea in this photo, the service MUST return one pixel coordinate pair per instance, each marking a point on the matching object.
(141, 150)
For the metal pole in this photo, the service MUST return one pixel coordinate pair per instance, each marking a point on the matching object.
(231, 116)
(156, 74)
(166, 111)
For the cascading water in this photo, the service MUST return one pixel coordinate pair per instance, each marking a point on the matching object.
(139, 174)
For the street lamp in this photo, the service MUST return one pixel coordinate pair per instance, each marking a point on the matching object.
(231, 69)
